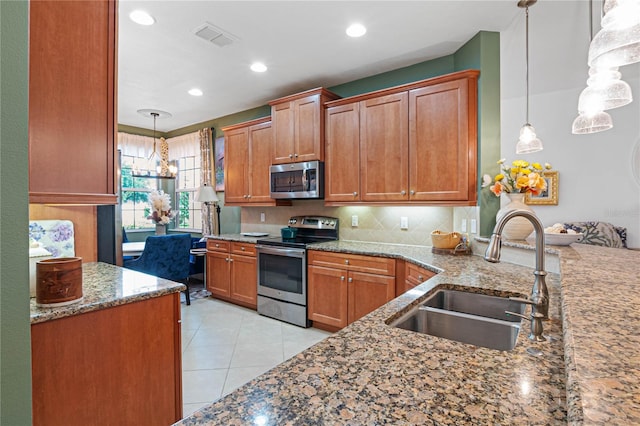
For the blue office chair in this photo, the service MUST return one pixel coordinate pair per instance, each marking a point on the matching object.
(165, 256)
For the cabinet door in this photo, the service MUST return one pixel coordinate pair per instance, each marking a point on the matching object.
(367, 292)
(384, 148)
(442, 149)
(244, 280)
(414, 275)
(218, 274)
(283, 116)
(72, 102)
(236, 165)
(308, 143)
(327, 296)
(260, 148)
(342, 168)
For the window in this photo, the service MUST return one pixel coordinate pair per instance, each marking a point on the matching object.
(135, 206)
(190, 216)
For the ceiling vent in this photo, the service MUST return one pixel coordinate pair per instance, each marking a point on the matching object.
(215, 35)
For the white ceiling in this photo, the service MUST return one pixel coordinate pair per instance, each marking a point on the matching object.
(302, 42)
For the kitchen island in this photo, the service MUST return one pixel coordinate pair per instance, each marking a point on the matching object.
(113, 357)
(372, 373)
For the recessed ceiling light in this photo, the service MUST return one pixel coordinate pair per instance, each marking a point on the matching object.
(141, 17)
(195, 92)
(356, 30)
(258, 67)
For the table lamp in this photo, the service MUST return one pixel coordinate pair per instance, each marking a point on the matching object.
(207, 195)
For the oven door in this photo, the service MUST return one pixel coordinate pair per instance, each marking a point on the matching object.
(282, 273)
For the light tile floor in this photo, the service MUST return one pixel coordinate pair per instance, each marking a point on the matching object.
(224, 346)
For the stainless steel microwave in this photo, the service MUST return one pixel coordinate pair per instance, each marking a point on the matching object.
(297, 180)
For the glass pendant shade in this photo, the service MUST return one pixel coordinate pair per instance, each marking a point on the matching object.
(528, 141)
(591, 123)
(618, 42)
(604, 91)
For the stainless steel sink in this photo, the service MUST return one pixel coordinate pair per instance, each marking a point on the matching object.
(472, 318)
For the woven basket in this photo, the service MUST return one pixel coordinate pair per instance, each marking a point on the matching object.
(444, 240)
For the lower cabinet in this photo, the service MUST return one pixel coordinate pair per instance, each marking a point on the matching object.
(119, 365)
(343, 288)
(232, 272)
(411, 275)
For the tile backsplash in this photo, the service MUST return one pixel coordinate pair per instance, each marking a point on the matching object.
(375, 224)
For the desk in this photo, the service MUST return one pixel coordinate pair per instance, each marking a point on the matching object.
(133, 249)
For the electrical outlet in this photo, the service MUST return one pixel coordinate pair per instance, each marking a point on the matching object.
(404, 222)
(463, 225)
(474, 229)
(263, 217)
(354, 220)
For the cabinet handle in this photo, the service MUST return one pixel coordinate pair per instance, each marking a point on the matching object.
(350, 280)
(412, 192)
(355, 194)
(341, 278)
(249, 196)
(230, 260)
(242, 248)
(290, 155)
(420, 277)
(244, 196)
(403, 192)
(346, 261)
(295, 155)
(217, 245)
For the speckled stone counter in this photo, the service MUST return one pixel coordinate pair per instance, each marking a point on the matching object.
(237, 237)
(373, 373)
(104, 286)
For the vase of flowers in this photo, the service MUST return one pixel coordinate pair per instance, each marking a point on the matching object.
(161, 213)
(516, 180)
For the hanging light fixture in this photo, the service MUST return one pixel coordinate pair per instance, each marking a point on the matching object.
(618, 42)
(155, 159)
(605, 90)
(528, 141)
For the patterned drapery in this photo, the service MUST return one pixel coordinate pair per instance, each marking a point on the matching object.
(209, 223)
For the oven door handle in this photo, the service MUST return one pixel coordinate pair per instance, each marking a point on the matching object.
(280, 251)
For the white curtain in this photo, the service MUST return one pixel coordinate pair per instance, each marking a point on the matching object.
(135, 145)
(184, 146)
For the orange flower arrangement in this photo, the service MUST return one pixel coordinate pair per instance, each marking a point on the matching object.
(521, 177)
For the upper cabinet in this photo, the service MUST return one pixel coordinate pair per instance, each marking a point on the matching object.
(248, 148)
(298, 126)
(414, 143)
(72, 108)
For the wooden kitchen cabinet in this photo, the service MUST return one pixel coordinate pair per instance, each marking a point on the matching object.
(298, 126)
(72, 102)
(343, 288)
(412, 275)
(417, 144)
(248, 148)
(119, 365)
(232, 272)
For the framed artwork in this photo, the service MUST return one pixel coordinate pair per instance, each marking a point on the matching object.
(218, 161)
(550, 196)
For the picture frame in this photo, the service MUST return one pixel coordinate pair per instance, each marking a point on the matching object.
(218, 162)
(549, 197)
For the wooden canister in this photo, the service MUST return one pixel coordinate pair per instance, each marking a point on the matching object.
(58, 281)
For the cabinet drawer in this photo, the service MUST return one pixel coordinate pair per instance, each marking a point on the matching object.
(218, 245)
(354, 262)
(247, 249)
(415, 275)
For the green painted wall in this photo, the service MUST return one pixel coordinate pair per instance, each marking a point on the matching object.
(482, 52)
(15, 328)
(228, 120)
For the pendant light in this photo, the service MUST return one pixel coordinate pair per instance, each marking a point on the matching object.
(155, 159)
(528, 141)
(618, 42)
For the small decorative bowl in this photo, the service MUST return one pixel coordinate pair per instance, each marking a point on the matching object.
(557, 239)
(442, 240)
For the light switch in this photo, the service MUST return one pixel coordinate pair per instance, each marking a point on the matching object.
(354, 220)
(404, 222)
(263, 217)
(473, 226)
(463, 225)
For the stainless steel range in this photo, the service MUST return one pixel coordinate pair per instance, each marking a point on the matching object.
(282, 268)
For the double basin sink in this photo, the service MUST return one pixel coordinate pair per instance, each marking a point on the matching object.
(472, 318)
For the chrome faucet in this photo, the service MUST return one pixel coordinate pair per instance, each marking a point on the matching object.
(539, 299)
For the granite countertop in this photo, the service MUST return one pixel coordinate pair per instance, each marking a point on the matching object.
(105, 286)
(372, 373)
(241, 238)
